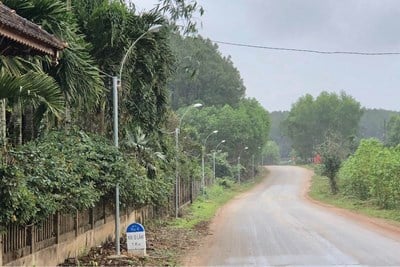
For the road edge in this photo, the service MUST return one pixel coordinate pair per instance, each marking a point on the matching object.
(388, 228)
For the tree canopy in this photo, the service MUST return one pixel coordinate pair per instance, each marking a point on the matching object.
(310, 120)
(393, 131)
(203, 74)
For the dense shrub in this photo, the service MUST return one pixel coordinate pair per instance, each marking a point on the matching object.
(373, 173)
(69, 171)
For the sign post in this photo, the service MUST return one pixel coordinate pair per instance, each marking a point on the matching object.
(136, 239)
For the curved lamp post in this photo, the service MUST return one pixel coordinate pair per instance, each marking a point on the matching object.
(223, 141)
(177, 129)
(154, 28)
(202, 158)
(239, 163)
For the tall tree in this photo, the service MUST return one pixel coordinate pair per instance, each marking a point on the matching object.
(373, 123)
(277, 133)
(393, 131)
(203, 74)
(244, 126)
(76, 74)
(112, 27)
(310, 120)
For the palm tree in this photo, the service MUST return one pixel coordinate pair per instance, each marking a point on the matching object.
(76, 73)
(35, 90)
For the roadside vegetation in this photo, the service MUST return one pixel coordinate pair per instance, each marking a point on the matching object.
(320, 191)
(170, 239)
(56, 122)
(355, 152)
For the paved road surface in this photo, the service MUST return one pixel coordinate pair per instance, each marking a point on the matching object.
(273, 225)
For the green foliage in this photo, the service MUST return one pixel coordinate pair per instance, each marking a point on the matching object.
(311, 119)
(393, 131)
(320, 190)
(181, 11)
(246, 125)
(271, 153)
(277, 132)
(373, 173)
(373, 123)
(68, 171)
(202, 74)
(112, 28)
(333, 151)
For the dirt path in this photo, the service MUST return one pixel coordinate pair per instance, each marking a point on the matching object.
(277, 224)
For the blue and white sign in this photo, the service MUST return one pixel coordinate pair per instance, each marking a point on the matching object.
(136, 239)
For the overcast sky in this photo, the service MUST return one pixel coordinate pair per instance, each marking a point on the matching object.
(278, 78)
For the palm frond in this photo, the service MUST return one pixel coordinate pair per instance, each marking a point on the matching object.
(32, 87)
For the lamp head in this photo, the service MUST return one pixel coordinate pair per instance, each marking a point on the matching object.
(246, 148)
(215, 131)
(223, 141)
(155, 28)
(197, 105)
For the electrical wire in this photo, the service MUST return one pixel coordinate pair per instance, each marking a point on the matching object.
(309, 50)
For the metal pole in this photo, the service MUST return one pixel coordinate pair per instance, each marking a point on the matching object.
(239, 169)
(252, 157)
(177, 129)
(202, 170)
(176, 172)
(203, 151)
(214, 165)
(115, 130)
(153, 28)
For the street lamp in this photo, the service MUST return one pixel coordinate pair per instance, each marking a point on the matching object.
(177, 129)
(239, 163)
(202, 158)
(223, 141)
(154, 28)
(252, 159)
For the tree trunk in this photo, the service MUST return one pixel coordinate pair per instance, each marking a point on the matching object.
(68, 119)
(333, 185)
(29, 127)
(3, 123)
(18, 123)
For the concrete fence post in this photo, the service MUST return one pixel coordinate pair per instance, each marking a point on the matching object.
(57, 226)
(1, 250)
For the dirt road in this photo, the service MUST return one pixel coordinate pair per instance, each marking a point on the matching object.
(274, 225)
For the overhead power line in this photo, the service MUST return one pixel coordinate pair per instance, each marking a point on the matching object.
(309, 50)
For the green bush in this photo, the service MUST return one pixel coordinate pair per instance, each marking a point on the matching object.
(69, 171)
(373, 173)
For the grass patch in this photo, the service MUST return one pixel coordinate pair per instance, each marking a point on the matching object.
(204, 207)
(320, 191)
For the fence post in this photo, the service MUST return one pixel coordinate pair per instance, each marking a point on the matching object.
(33, 238)
(91, 218)
(104, 210)
(1, 250)
(191, 190)
(76, 224)
(56, 222)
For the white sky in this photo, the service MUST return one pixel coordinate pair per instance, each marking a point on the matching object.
(277, 78)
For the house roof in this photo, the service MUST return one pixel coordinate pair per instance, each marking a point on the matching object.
(19, 36)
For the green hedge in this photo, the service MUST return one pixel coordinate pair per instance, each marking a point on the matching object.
(69, 171)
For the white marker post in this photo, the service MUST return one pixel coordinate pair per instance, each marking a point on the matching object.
(136, 239)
